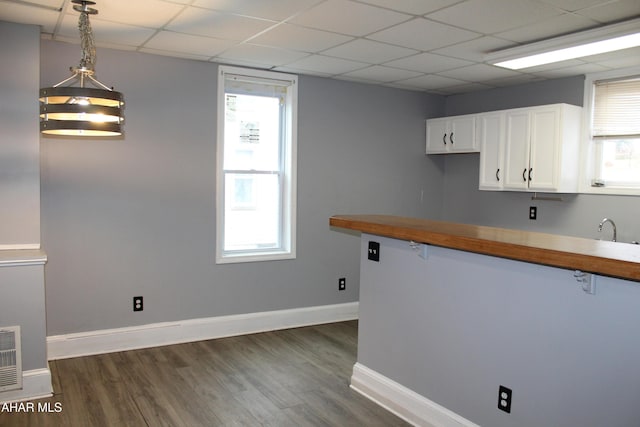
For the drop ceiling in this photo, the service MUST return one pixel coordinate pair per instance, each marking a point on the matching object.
(436, 46)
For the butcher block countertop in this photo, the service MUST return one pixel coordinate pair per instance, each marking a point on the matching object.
(614, 259)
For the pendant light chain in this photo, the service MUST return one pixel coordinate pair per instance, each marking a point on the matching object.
(88, 60)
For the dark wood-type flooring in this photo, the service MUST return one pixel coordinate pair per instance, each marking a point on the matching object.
(295, 377)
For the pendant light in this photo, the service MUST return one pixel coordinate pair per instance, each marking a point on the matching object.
(79, 110)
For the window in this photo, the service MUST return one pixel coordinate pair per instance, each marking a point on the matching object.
(256, 165)
(612, 126)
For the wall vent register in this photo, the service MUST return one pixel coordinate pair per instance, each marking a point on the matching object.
(10, 359)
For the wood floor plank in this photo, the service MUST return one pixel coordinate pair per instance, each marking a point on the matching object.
(297, 377)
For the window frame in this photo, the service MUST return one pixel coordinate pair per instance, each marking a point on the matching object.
(287, 172)
(589, 148)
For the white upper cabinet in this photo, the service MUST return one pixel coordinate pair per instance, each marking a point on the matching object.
(517, 150)
(452, 135)
(491, 135)
(521, 149)
(542, 148)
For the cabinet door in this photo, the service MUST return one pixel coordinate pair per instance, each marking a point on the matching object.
(545, 146)
(491, 130)
(517, 150)
(437, 133)
(462, 132)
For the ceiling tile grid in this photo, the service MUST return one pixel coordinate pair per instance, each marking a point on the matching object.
(429, 45)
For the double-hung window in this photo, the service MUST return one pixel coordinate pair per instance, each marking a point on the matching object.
(256, 165)
(612, 106)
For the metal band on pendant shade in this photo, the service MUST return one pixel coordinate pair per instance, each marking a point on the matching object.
(81, 111)
(80, 128)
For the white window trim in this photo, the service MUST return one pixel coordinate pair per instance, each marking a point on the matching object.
(289, 204)
(586, 151)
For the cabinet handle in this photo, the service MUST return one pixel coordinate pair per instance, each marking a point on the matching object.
(530, 170)
(444, 139)
(451, 137)
(498, 174)
(524, 172)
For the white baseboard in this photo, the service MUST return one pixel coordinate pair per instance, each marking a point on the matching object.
(36, 384)
(167, 333)
(405, 403)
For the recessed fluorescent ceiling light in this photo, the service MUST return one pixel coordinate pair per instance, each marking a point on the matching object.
(606, 39)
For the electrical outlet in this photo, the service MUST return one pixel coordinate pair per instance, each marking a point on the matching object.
(137, 304)
(504, 399)
(533, 212)
(374, 251)
(342, 284)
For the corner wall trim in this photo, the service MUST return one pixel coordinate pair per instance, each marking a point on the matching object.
(36, 384)
(405, 403)
(20, 247)
(167, 333)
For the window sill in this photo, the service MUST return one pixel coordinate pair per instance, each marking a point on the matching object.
(611, 191)
(254, 257)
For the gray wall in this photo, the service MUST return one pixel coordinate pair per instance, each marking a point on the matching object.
(458, 325)
(21, 287)
(22, 302)
(136, 215)
(576, 215)
(19, 146)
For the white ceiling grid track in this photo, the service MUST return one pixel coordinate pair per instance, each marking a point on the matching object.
(437, 46)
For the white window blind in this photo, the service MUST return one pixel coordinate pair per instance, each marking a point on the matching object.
(236, 83)
(616, 109)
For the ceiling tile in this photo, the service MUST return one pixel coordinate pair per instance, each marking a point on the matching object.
(479, 73)
(294, 37)
(428, 63)
(552, 27)
(99, 44)
(475, 50)
(613, 11)
(465, 88)
(492, 16)
(621, 59)
(431, 81)
(174, 54)
(204, 22)
(327, 64)
(287, 69)
(369, 51)
(423, 34)
(379, 73)
(264, 55)
(50, 4)
(240, 62)
(142, 13)
(267, 9)
(105, 32)
(23, 14)
(574, 5)
(414, 7)
(347, 17)
(185, 43)
(515, 80)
